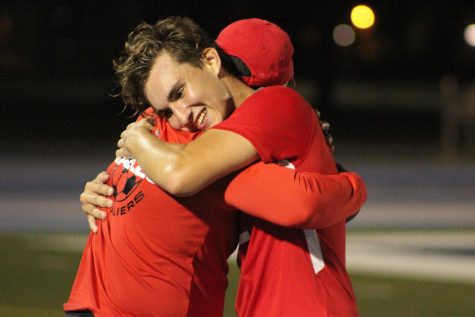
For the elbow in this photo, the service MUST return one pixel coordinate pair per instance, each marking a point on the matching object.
(359, 188)
(304, 216)
(176, 185)
(309, 219)
(175, 188)
(178, 182)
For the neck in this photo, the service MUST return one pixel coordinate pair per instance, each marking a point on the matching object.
(239, 90)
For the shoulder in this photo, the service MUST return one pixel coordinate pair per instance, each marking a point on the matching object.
(279, 103)
(274, 102)
(278, 94)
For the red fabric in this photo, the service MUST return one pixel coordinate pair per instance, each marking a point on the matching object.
(264, 47)
(291, 199)
(265, 119)
(156, 255)
(165, 132)
(278, 277)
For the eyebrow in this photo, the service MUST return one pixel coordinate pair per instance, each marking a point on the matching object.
(172, 95)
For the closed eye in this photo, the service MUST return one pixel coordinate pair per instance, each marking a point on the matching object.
(180, 93)
(164, 113)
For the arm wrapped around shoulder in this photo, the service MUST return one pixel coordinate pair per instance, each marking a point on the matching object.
(296, 199)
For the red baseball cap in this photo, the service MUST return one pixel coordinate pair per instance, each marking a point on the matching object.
(264, 47)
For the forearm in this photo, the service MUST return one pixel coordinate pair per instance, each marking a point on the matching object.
(186, 170)
(160, 161)
(289, 198)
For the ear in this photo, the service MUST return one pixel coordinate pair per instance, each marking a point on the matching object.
(212, 60)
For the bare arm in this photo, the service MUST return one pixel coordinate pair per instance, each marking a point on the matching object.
(289, 198)
(187, 170)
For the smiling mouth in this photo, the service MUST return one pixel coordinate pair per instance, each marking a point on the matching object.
(201, 118)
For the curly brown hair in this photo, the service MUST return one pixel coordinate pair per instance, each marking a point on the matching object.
(180, 37)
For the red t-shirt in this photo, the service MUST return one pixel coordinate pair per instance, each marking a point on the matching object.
(161, 256)
(289, 271)
(156, 255)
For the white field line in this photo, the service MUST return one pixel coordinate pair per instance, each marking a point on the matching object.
(428, 255)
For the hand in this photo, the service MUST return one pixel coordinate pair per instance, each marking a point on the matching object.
(94, 196)
(136, 132)
(325, 125)
(326, 132)
(342, 169)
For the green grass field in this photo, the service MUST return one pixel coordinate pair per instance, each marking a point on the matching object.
(37, 271)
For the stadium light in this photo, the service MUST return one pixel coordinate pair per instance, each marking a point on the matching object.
(469, 35)
(362, 17)
(343, 35)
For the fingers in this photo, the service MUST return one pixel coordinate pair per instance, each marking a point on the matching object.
(92, 213)
(123, 136)
(133, 131)
(124, 133)
(120, 143)
(121, 152)
(98, 187)
(326, 132)
(325, 126)
(92, 223)
(92, 210)
(94, 197)
(329, 139)
(102, 177)
(148, 123)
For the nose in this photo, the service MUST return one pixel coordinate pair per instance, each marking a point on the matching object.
(183, 114)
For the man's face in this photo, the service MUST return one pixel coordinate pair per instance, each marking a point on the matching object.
(190, 98)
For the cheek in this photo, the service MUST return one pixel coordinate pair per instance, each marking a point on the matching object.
(174, 123)
(224, 107)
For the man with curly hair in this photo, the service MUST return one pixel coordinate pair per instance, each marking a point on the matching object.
(186, 79)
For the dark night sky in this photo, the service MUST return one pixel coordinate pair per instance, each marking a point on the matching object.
(78, 39)
(56, 56)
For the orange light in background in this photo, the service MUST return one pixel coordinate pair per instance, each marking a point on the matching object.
(362, 17)
(343, 35)
(469, 35)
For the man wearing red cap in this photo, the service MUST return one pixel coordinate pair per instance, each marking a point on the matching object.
(262, 232)
(265, 57)
(261, 251)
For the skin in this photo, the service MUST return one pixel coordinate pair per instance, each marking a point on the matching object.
(94, 197)
(183, 93)
(191, 98)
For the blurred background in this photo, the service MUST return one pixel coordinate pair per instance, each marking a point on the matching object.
(396, 80)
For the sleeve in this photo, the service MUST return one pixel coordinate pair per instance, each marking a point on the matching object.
(277, 121)
(296, 199)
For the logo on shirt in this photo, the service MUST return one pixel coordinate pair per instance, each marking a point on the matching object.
(124, 182)
(126, 177)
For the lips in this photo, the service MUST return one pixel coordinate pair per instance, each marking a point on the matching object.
(201, 119)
